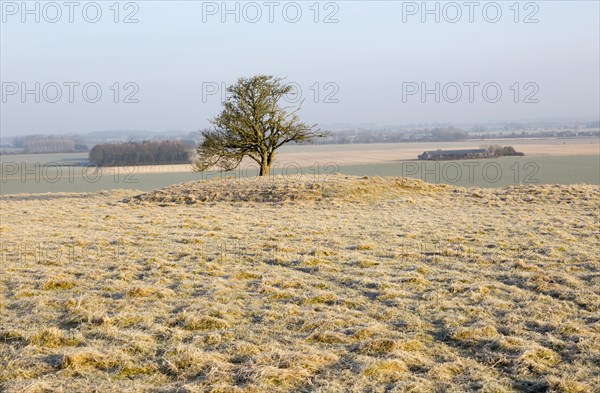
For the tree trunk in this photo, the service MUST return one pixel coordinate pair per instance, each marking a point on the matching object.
(265, 164)
(264, 168)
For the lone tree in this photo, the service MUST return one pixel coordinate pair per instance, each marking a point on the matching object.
(252, 124)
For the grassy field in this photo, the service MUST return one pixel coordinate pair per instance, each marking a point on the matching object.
(291, 284)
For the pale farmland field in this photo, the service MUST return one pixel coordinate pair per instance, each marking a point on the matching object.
(301, 284)
(547, 161)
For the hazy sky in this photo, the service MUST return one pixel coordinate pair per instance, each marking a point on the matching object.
(364, 67)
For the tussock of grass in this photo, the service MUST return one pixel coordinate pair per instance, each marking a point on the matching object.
(411, 345)
(370, 331)
(135, 371)
(58, 283)
(87, 358)
(539, 359)
(245, 275)
(475, 333)
(322, 298)
(447, 371)
(186, 360)
(200, 322)
(91, 310)
(365, 246)
(378, 346)
(364, 264)
(567, 385)
(148, 291)
(285, 370)
(53, 338)
(386, 371)
(328, 338)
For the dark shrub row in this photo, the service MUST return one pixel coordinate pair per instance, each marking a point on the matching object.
(500, 151)
(144, 153)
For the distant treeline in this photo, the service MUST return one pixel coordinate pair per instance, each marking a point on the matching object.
(144, 153)
(446, 134)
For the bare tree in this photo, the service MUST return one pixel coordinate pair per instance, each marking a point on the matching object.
(252, 124)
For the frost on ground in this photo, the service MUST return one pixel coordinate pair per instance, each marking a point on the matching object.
(302, 284)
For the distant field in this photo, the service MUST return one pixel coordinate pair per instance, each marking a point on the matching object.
(337, 284)
(502, 172)
(481, 173)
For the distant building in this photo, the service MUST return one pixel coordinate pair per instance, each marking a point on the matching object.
(49, 144)
(454, 154)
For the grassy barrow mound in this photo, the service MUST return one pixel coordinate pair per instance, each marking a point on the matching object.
(281, 189)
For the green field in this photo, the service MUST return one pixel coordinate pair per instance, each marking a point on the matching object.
(500, 172)
(43, 173)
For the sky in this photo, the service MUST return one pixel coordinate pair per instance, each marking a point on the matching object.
(351, 62)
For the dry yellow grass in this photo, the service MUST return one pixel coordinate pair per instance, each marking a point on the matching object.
(281, 285)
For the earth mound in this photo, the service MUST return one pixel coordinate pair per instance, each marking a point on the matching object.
(281, 189)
